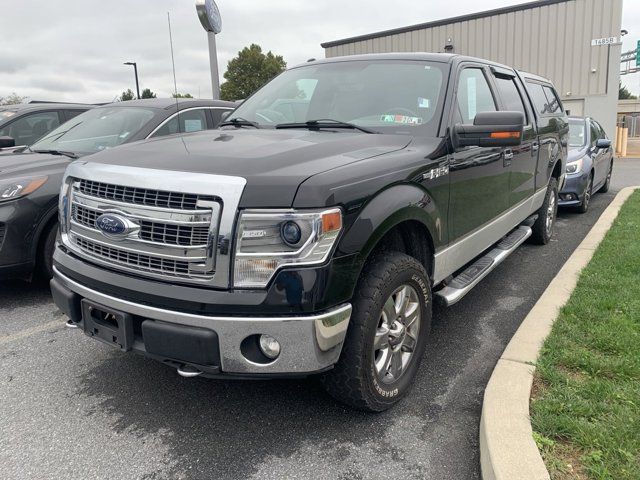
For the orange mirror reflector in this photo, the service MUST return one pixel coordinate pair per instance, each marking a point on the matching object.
(503, 135)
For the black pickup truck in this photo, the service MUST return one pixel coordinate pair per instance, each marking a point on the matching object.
(313, 231)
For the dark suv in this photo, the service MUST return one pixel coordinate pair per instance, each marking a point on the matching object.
(311, 234)
(23, 124)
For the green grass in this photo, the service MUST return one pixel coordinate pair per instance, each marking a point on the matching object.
(585, 407)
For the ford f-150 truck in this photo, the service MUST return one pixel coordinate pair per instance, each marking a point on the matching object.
(312, 232)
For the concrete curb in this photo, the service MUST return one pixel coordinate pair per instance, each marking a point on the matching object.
(507, 449)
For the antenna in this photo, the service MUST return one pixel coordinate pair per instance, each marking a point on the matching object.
(173, 63)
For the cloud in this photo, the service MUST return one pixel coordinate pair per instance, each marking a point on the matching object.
(73, 50)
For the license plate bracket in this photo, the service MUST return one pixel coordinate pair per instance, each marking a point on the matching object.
(110, 326)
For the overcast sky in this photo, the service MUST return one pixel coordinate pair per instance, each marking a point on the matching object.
(72, 50)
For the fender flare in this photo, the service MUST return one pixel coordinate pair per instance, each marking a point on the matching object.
(387, 209)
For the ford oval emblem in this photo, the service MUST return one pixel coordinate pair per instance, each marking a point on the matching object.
(112, 225)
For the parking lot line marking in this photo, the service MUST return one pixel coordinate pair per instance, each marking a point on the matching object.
(27, 332)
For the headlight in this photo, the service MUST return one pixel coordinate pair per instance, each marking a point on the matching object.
(13, 188)
(268, 240)
(574, 167)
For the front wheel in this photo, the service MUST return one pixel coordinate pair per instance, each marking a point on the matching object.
(387, 334)
(542, 229)
(45, 254)
(586, 198)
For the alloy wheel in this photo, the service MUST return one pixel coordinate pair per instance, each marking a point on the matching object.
(397, 334)
(551, 213)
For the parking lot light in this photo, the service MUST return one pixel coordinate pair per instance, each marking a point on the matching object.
(135, 71)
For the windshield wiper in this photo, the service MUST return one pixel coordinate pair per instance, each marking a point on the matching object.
(58, 152)
(240, 122)
(325, 123)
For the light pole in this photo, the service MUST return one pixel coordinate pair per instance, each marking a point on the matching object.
(135, 70)
(211, 21)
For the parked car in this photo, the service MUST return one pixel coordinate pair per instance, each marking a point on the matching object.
(310, 234)
(23, 124)
(590, 163)
(30, 181)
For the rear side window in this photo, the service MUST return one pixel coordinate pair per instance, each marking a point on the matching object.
(538, 98)
(185, 122)
(554, 104)
(474, 95)
(510, 95)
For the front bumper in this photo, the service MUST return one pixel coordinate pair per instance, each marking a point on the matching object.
(574, 189)
(309, 343)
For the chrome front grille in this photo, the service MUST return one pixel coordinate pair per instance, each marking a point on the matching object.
(141, 196)
(175, 227)
(172, 234)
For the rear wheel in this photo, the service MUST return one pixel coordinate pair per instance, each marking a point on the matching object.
(542, 229)
(607, 183)
(387, 334)
(586, 198)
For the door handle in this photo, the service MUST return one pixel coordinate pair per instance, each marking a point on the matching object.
(507, 156)
(535, 148)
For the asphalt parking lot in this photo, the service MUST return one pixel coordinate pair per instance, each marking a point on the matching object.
(73, 408)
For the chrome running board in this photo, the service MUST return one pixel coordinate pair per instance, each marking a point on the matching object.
(482, 266)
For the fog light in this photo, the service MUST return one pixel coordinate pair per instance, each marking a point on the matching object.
(269, 346)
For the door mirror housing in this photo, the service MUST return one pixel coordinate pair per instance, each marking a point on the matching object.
(603, 143)
(7, 142)
(491, 129)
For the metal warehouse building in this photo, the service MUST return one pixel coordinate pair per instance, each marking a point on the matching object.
(575, 43)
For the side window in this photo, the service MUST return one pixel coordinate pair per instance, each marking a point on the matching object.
(538, 98)
(555, 106)
(216, 114)
(28, 129)
(595, 133)
(72, 113)
(601, 131)
(185, 122)
(474, 95)
(510, 95)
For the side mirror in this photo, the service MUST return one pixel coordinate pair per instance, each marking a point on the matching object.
(603, 143)
(491, 129)
(225, 115)
(7, 142)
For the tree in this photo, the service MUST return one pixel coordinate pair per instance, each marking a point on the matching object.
(624, 93)
(127, 95)
(181, 95)
(147, 93)
(12, 99)
(249, 71)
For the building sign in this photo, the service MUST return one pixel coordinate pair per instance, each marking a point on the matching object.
(596, 42)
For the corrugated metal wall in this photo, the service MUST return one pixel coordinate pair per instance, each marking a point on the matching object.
(553, 41)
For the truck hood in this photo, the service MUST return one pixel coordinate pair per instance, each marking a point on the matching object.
(273, 162)
(28, 163)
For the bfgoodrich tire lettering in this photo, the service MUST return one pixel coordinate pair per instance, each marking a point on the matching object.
(355, 380)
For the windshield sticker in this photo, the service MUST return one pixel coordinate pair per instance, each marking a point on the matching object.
(401, 119)
(423, 102)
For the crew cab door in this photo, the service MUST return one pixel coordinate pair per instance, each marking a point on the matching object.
(479, 178)
(522, 160)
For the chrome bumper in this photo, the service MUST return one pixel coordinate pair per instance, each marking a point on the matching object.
(308, 343)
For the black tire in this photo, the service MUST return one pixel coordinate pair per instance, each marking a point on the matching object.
(45, 252)
(354, 380)
(586, 198)
(542, 231)
(607, 184)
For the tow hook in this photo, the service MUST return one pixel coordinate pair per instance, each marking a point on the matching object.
(187, 371)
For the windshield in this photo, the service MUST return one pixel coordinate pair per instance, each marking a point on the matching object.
(388, 96)
(577, 134)
(96, 130)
